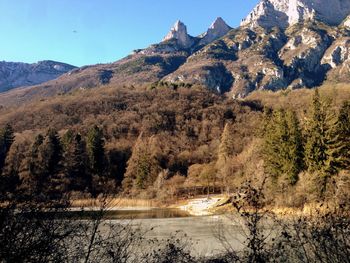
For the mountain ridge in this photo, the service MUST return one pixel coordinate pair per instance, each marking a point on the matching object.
(225, 60)
(19, 74)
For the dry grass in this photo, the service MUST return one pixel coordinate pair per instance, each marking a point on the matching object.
(301, 98)
(114, 203)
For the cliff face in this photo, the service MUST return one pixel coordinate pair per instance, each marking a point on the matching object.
(179, 33)
(284, 13)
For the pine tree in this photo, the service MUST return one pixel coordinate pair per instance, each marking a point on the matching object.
(51, 151)
(32, 173)
(294, 163)
(142, 167)
(95, 150)
(340, 147)
(319, 137)
(224, 155)
(50, 156)
(67, 139)
(283, 147)
(6, 140)
(226, 144)
(75, 160)
(274, 147)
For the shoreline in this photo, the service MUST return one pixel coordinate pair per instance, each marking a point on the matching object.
(199, 206)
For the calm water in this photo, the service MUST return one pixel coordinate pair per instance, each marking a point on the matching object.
(125, 214)
(203, 231)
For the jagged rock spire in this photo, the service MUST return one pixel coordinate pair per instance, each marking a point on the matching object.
(218, 29)
(179, 32)
(283, 13)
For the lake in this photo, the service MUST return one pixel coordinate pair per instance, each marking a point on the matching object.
(203, 231)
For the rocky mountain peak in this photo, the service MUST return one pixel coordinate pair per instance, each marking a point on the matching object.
(218, 29)
(346, 22)
(283, 13)
(179, 33)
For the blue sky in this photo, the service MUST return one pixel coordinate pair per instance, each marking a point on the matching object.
(83, 32)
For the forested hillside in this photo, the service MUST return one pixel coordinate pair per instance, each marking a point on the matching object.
(167, 142)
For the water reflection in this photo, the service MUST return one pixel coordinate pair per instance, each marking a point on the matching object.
(124, 214)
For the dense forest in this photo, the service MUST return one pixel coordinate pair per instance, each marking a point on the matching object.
(168, 142)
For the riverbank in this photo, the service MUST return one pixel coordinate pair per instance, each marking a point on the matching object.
(200, 206)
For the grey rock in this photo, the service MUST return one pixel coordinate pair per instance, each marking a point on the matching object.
(284, 13)
(218, 29)
(17, 74)
(179, 33)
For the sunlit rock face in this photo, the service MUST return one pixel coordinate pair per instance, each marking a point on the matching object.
(283, 13)
(179, 33)
(218, 29)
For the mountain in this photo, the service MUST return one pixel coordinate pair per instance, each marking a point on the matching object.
(141, 68)
(284, 13)
(13, 74)
(179, 33)
(218, 29)
(282, 44)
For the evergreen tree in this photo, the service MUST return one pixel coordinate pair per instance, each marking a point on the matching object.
(95, 150)
(67, 139)
(274, 147)
(226, 144)
(6, 140)
(142, 167)
(283, 147)
(294, 162)
(33, 172)
(340, 147)
(318, 156)
(50, 156)
(225, 152)
(51, 151)
(75, 165)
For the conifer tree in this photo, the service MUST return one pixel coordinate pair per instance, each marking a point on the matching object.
(50, 156)
(274, 148)
(225, 152)
(67, 139)
(6, 140)
(33, 172)
(75, 165)
(142, 167)
(294, 162)
(283, 147)
(340, 147)
(319, 131)
(95, 150)
(226, 144)
(51, 151)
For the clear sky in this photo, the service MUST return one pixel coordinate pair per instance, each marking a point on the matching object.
(83, 32)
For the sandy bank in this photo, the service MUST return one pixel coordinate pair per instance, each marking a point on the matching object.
(203, 206)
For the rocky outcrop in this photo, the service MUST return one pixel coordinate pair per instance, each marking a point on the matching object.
(338, 53)
(337, 59)
(13, 74)
(346, 22)
(218, 29)
(179, 33)
(284, 13)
